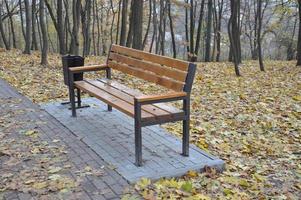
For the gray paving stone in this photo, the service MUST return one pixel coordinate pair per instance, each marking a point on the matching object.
(78, 152)
(111, 136)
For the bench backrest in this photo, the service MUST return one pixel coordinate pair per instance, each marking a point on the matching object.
(168, 72)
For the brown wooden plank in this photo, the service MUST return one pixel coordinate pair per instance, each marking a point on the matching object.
(163, 60)
(148, 66)
(145, 98)
(126, 97)
(87, 68)
(165, 82)
(134, 92)
(117, 103)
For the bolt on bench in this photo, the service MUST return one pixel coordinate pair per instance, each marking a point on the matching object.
(173, 74)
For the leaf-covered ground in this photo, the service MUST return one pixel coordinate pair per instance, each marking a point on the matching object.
(252, 122)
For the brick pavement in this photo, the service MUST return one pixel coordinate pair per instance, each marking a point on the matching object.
(110, 185)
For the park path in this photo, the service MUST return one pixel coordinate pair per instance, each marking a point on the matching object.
(95, 179)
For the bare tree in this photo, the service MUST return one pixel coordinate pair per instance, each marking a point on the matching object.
(208, 32)
(172, 31)
(233, 31)
(34, 45)
(137, 10)
(11, 23)
(44, 60)
(76, 8)
(28, 27)
(259, 18)
(123, 30)
(86, 23)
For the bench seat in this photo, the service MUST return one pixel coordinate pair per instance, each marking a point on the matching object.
(122, 98)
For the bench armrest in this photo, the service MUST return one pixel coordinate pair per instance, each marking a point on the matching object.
(146, 99)
(87, 68)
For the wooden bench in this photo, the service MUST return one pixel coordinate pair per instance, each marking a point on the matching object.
(173, 74)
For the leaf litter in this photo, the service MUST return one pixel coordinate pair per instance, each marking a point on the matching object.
(252, 122)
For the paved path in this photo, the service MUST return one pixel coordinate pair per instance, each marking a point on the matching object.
(110, 185)
(111, 135)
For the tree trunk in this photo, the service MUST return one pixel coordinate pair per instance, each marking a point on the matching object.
(192, 21)
(74, 46)
(172, 31)
(259, 18)
(44, 60)
(28, 27)
(129, 39)
(11, 23)
(60, 26)
(4, 39)
(290, 49)
(299, 37)
(148, 24)
(208, 33)
(98, 29)
(118, 22)
(137, 10)
(86, 23)
(199, 31)
(218, 33)
(232, 31)
(186, 30)
(22, 20)
(155, 26)
(34, 34)
(124, 15)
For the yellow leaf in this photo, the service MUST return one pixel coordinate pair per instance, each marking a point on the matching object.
(227, 191)
(40, 185)
(198, 197)
(297, 98)
(192, 174)
(53, 170)
(244, 183)
(258, 177)
(143, 183)
(30, 132)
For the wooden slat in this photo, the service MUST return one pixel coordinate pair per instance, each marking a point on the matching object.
(170, 62)
(87, 68)
(148, 66)
(128, 98)
(145, 98)
(117, 103)
(134, 92)
(168, 83)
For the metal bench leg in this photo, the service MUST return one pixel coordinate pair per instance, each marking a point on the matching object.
(186, 122)
(72, 98)
(72, 94)
(138, 137)
(109, 76)
(79, 102)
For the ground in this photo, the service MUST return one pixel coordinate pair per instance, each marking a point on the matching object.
(253, 122)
